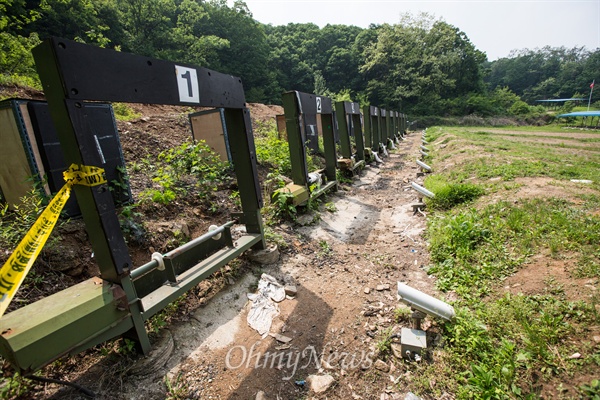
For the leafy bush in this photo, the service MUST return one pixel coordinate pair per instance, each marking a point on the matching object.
(271, 150)
(179, 167)
(14, 224)
(448, 195)
(519, 107)
(123, 112)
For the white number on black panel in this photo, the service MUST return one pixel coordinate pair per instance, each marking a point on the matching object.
(318, 105)
(187, 84)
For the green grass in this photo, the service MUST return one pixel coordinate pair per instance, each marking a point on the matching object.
(490, 156)
(503, 345)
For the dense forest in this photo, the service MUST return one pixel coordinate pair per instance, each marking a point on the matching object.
(421, 65)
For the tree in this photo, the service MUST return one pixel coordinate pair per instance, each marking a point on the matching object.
(419, 64)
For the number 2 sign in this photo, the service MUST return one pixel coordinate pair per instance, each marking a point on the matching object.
(187, 83)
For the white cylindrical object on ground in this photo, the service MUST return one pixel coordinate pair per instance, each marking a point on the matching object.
(423, 165)
(422, 190)
(425, 303)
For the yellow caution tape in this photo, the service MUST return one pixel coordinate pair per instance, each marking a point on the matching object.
(13, 272)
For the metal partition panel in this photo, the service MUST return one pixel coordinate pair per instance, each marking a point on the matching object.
(384, 126)
(349, 123)
(299, 108)
(72, 73)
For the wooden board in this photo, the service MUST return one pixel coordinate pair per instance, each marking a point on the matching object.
(208, 126)
(281, 129)
(15, 172)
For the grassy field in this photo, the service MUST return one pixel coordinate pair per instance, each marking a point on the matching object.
(514, 238)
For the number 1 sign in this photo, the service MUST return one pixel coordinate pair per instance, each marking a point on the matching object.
(187, 83)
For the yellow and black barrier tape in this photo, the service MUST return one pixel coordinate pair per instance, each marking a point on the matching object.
(17, 266)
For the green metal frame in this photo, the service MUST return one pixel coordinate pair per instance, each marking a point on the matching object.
(299, 107)
(346, 112)
(118, 304)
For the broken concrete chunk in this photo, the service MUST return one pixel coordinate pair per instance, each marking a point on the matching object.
(270, 255)
(382, 366)
(320, 383)
(291, 290)
(281, 338)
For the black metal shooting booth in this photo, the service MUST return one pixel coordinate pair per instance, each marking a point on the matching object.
(301, 111)
(94, 311)
(348, 117)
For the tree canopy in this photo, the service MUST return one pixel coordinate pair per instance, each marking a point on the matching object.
(421, 65)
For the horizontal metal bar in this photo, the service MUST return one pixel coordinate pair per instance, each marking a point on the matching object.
(144, 269)
(165, 294)
(200, 239)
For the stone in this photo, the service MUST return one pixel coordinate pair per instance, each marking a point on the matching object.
(305, 219)
(320, 383)
(291, 290)
(380, 288)
(575, 356)
(382, 366)
(270, 255)
(397, 350)
(261, 396)
(367, 290)
(281, 338)
(596, 338)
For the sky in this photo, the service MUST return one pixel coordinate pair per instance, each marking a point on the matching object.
(494, 26)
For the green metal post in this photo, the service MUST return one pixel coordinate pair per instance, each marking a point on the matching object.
(295, 139)
(329, 146)
(343, 128)
(358, 137)
(375, 129)
(368, 127)
(241, 143)
(383, 115)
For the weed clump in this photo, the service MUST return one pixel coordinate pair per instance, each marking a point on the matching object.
(448, 195)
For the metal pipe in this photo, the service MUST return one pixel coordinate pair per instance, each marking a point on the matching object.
(425, 303)
(151, 265)
(423, 153)
(200, 239)
(424, 148)
(422, 190)
(424, 166)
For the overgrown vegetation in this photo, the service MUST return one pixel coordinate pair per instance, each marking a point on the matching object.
(424, 63)
(188, 169)
(504, 345)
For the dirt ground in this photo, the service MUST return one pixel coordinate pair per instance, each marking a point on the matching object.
(345, 265)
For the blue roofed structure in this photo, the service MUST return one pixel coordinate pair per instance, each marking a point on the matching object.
(580, 114)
